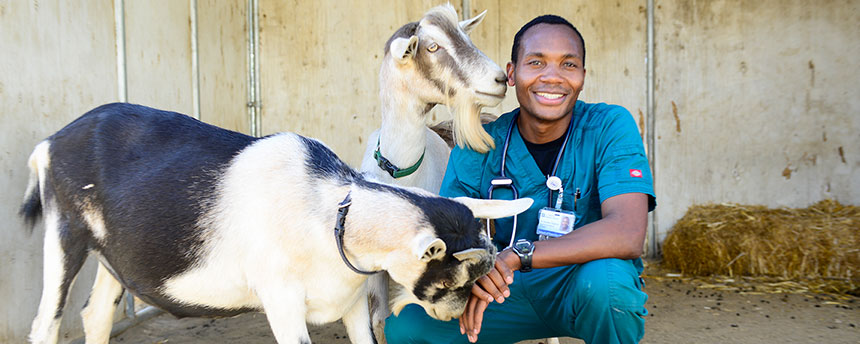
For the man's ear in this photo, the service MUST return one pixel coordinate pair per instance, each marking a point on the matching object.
(469, 24)
(495, 208)
(403, 49)
(510, 70)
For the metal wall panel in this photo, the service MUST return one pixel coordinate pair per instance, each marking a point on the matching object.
(158, 51)
(757, 102)
(614, 34)
(223, 53)
(320, 64)
(57, 61)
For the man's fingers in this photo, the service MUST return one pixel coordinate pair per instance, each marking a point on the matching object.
(479, 292)
(505, 271)
(468, 314)
(478, 315)
(500, 286)
(491, 288)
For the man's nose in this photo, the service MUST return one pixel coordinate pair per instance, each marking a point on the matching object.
(551, 74)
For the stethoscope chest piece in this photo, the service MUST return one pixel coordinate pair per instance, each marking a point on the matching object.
(553, 183)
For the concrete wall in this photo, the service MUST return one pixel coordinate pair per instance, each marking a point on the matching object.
(758, 102)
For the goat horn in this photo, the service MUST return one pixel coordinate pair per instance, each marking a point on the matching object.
(471, 253)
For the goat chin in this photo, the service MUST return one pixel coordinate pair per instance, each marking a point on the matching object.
(468, 131)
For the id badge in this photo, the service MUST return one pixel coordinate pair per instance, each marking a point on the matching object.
(555, 223)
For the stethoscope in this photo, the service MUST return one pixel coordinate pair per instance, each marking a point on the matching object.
(502, 181)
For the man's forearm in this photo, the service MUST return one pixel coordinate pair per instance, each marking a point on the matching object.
(620, 234)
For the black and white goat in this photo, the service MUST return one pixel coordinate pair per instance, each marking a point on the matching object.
(205, 222)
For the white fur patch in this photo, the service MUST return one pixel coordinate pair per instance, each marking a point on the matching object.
(95, 221)
(45, 327)
(98, 314)
(38, 164)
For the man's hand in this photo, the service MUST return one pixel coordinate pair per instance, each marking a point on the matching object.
(493, 286)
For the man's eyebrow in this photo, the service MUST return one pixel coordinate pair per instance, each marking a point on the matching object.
(574, 56)
(541, 55)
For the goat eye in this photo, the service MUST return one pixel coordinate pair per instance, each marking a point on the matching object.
(433, 47)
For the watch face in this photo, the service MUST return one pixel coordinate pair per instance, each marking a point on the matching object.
(523, 247)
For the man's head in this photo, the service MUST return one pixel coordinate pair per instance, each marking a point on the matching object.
(544, 19)
(547, 68)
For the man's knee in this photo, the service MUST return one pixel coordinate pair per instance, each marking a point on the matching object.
(607, 283)
(413, 325)
(609, 303)
(397, 328)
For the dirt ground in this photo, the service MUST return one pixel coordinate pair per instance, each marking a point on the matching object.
(681, 310)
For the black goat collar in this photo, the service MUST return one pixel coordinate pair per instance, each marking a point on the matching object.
(342, 210)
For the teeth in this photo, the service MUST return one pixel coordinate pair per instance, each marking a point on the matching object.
(550, 95)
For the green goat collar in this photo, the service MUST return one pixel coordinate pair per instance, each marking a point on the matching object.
(394, 171)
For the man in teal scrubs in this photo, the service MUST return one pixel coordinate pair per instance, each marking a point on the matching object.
(583, 284)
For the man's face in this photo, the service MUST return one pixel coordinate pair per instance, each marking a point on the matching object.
(549, 73)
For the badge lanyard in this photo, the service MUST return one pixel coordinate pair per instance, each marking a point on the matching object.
(553, 183)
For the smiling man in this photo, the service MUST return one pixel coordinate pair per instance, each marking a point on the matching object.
(575, 159)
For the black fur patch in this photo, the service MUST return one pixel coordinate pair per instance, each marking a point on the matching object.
(323, 163)
(153, 175)
(31, 210)
(455, 224)
(404, 31)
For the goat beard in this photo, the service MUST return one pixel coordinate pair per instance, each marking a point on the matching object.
(468, 130)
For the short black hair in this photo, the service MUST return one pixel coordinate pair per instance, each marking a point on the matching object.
(544, 19)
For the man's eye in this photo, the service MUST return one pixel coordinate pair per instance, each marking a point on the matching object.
(534, 63)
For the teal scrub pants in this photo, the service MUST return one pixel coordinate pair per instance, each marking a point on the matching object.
(600, 302)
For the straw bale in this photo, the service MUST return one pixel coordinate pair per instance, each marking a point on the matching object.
(821, 242)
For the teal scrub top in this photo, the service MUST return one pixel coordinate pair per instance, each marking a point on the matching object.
(604, 157)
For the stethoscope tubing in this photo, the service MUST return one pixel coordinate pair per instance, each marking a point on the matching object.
(504, 181)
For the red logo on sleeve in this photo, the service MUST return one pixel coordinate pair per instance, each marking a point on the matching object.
(636, 173)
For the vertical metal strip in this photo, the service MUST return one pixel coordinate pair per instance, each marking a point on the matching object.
(467, 10)
(650, 126)
(254, 104)
(121, 76)
(258, 99)
(195, 63)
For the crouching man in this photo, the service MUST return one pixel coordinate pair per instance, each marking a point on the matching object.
(580, 161)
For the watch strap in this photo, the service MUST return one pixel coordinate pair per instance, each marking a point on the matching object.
(525, 257)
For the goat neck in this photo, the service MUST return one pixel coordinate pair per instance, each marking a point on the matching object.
(403, 134)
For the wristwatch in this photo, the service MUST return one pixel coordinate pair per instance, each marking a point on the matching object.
(524, 249)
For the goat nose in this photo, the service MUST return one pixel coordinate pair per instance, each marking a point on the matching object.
(501, 78)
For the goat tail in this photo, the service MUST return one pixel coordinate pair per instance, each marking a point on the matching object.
(31, 209)
(468, 130)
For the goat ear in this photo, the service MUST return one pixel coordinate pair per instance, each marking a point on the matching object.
(470, 254)
(469, 24)
(495, 208)
(403, 49)
(428, 247)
